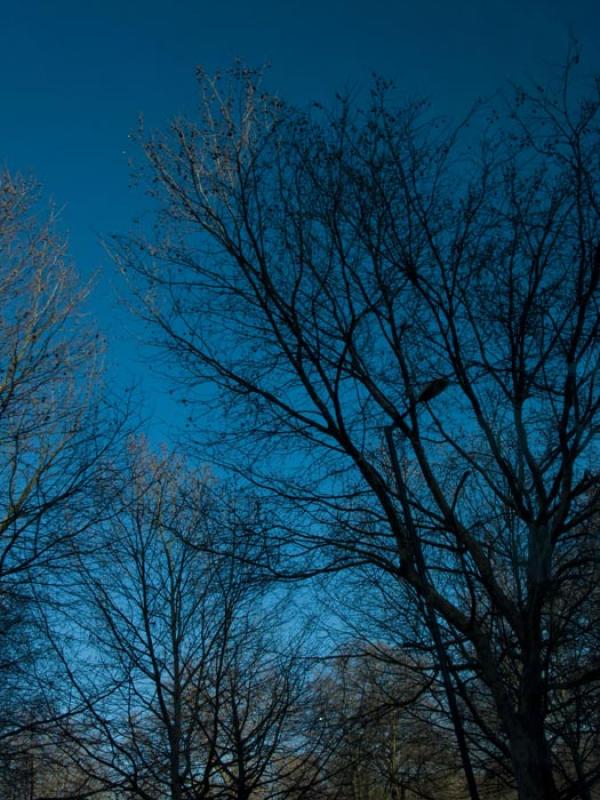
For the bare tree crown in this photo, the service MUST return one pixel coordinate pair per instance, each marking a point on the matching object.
(336, 274)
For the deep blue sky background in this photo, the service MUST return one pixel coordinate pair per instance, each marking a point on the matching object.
(76, 75)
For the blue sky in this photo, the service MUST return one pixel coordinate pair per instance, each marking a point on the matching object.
(76, 76)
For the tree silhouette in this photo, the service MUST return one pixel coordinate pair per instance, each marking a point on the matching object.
(322, 271)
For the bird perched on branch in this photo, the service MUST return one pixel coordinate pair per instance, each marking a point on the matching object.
(433, 388)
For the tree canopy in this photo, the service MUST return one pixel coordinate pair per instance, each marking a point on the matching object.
(399, 322)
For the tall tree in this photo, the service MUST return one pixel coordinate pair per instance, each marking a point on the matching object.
(401, 320)
(51, 445)
(187, 692)
(54, 444)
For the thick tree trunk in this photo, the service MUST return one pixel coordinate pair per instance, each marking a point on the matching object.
(524, 718)
(533, 767)
(531, 755)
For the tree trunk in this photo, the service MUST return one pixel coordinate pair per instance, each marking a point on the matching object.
(531, 756)
(533, 768)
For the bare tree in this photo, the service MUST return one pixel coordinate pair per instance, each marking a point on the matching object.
(54, 447)
(187, 692)
(384, 643)
(50, 445)
(401, 320)
(396, 743)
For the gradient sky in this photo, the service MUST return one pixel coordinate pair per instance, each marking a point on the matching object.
(76, 76)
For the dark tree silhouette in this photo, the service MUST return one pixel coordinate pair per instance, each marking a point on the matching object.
(55, 451)
(321, 271)
(186, 690)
